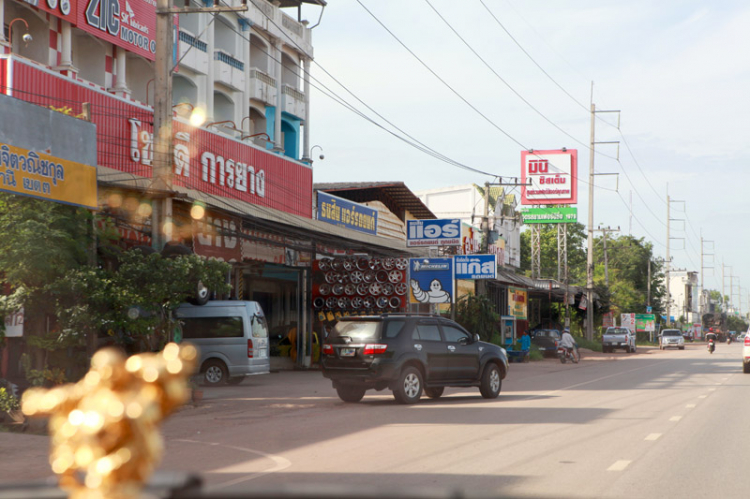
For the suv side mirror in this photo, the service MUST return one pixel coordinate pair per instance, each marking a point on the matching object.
(476, 337)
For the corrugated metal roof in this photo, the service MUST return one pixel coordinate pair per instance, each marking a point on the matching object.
(395, 195)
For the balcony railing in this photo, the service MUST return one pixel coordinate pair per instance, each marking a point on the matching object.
(193, 53)
(222, 56)
(293, 101)
(262, 87)
(186, 37)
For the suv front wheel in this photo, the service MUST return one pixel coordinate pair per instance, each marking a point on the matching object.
(491, 382)
(350, 393)
(409, 387)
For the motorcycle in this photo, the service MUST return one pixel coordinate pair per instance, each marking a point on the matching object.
(711, 346)
(564, 355)
(729, 340)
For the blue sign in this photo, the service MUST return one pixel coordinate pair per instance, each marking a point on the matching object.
(431, 280)
(442, 232)
(648, 310)
(476, 266)
(347, 214)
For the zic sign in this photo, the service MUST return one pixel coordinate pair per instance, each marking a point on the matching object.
(130, 24)
(549, 177)
(476, 266)
(433, 233)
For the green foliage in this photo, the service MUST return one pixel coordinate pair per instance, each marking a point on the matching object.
(735, 323)
(477, 314)
(535, 353)
(594, 345)
(548, 257)
(7, 401)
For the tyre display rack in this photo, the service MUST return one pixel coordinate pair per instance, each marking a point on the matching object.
(346, 286)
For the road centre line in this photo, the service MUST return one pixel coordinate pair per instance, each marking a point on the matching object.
(702, 396)
(600, 379)
(619, 465)
(690, 406)
(653, 436)
(675, 418)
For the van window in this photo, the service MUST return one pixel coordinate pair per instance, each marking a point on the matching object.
(259, 326)
(212, 327)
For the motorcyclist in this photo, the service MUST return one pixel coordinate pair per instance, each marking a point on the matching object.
(568, 343)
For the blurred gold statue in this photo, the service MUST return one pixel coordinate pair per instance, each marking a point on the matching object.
(104, 429)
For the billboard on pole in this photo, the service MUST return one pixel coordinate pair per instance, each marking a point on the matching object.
(549, 177)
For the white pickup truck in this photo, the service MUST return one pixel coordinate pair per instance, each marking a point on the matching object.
(618, 337)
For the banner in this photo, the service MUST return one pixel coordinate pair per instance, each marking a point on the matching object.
(431, 280)
(517, 303)
(549, 177)
(433, 232)
(348, 214)
(47, 177)
(475, 266)
(645, 322)
(556, 215)
(628, 321)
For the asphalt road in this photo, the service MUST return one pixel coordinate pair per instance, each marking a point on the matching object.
(654, 424)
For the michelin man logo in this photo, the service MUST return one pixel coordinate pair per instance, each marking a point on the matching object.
(436, 293)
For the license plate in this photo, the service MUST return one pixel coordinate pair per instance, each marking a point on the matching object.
(347, 352)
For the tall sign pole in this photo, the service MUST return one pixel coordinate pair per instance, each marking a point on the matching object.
(590, 244)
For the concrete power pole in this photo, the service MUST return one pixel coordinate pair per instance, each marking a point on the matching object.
(604, 231)
(667, 262)
(161, 217)
(590, 240)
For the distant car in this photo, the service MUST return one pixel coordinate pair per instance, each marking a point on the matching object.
(671, 338)
(746, 355)
(546, 340)
(409, 354)
(619, 337)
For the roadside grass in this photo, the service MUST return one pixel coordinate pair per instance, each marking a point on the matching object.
(594, 345)
(535, 354)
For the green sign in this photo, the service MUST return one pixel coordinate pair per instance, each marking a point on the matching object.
(560, 215)
(645, 322)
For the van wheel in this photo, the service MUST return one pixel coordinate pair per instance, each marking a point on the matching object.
(214, 373)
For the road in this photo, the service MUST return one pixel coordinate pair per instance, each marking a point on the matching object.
(655, 424)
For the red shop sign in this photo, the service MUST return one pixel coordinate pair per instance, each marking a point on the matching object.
(64, 9)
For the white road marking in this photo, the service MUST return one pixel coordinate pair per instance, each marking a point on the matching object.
(600, 379)
(702, 396)
(690, 406)
(653, 436)
(712, 389)
(280, 463)
(619, 465)
(675, 418)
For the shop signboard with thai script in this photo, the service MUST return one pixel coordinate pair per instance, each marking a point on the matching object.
(556, 215)
(517, 303)
(46, 177)
(431, 280)
(347, 214)
(64, 9)
(130, 24)
(441, 232)
(549, 177)
(217, 236)
(475, 266)
(470, 240)
(628, 321)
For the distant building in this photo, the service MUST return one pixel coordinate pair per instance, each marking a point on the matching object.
(683, 289)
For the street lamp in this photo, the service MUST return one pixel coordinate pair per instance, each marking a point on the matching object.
(26, 38)
(322, 156)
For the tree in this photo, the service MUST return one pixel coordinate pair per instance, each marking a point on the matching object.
(548, 257)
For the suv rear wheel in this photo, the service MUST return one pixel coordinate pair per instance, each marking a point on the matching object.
(409, 386)
(350, 393)
(491, 382)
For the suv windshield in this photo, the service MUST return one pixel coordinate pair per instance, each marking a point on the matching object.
(356, 329)
(671, 332)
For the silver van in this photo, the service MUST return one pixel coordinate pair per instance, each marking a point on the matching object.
(232, 337)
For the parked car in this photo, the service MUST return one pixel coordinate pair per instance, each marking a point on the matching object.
(546, 340)
(409, 354)
(746, 355)
(618, 338)
(232, 338)
(671, 338)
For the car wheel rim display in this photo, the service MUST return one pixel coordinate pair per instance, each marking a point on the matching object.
(382, 302)
(411, 385)
(375, 263)
(324, 264)
(494, 380)
(374, 288)
(356, 277)
(402, 264)
(350, 289)
(331, 302)
(319, 303)
(356, 302)
(395, 276)
(388, 263)
(381, 276)
(363, 289)
(369, 277)
(338, 289)
(349, 265)
(387, 288)
(401, 288)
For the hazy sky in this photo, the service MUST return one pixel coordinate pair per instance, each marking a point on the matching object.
(677, 69)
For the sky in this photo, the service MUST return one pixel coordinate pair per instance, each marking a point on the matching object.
(676, 70)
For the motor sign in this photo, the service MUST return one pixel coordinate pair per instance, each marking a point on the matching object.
(441, 232)
(475, 266)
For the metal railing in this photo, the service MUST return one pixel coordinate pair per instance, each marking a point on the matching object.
(222, 56)
(193, 41)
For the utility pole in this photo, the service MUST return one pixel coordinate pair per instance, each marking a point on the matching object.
(482, 284)
(161, 215)
(704, 304)
(604, 231)
(667, 262)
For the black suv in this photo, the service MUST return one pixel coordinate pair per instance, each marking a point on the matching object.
(408, 354)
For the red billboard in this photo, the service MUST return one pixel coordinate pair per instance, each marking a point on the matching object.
(64, 9)
(206, 161)
(549, 177)
(130, 24)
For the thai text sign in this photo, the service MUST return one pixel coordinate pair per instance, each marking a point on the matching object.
(47, 177)
(549, 177)
(347, 214)
(431, 280)
(475, 266)
(433, 232)
(517, 301)
(557, 215)
(130, 24)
